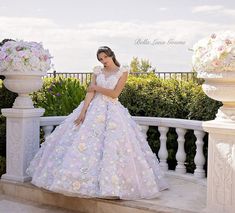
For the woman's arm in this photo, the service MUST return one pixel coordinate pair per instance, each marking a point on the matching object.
(89, 96)
(113, 93)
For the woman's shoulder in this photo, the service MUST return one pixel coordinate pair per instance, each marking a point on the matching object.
(97, 70)
(124, 68)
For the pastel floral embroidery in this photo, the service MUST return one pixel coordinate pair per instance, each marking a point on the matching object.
(114, 179)
(81, 147)
(76, 185)
(100, 118)
(112, 125)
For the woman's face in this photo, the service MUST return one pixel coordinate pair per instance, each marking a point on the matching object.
(105, 60)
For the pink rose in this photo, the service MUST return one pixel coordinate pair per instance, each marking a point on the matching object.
(216, 63)
(221, 48)
(18, 48)
(8, 59)
(45, 57)
(2, 55)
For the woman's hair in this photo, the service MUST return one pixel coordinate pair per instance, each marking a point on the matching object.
(108, 52)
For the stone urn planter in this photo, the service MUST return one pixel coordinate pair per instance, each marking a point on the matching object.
(220, 86)
(214, 61)
(23, 83)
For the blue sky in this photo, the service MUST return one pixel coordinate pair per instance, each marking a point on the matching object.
(73, 30)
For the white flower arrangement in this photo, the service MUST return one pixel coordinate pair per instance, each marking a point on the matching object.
(215, 53)
(23, 56)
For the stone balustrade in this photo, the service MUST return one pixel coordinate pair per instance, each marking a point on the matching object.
(163, 124)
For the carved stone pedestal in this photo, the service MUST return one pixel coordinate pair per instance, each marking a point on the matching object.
(22, 141)
(221, 167)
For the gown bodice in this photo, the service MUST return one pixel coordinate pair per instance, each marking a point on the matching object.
(108, 82)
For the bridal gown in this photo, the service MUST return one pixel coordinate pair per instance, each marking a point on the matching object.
(107, 156)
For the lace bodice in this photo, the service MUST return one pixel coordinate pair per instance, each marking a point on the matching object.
(110, 81)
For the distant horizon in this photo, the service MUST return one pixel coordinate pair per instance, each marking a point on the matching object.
(162, 32)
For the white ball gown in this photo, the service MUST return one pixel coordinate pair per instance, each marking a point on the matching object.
(107, 156)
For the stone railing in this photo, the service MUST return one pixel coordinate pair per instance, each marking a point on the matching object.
(85, 77)
(181, 126)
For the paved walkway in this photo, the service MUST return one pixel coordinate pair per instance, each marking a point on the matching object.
(183, 195)
(15, 205)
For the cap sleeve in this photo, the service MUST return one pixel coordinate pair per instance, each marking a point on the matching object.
(125, 68)
(97, 70)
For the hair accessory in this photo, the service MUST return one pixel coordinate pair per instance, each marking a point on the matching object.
(103, 47)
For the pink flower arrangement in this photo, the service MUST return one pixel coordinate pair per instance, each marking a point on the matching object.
(215, 53)
(23, 56)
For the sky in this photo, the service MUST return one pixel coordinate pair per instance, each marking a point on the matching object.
(162, 32)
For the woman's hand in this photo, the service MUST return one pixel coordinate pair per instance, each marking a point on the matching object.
(92, 88)
(80, 118)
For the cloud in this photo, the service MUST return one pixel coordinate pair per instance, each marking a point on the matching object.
(163, 8)
(207, 8)
(74, 48)
(3, 7)
(214, 9)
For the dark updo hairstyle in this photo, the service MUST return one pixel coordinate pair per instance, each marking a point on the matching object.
(108, 52)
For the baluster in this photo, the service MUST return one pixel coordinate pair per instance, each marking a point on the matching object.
(199, 157)
(162, 153)
(47, 130)
(180, 155)
(144, 129)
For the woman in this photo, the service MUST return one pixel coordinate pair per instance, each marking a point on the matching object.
(99, 150)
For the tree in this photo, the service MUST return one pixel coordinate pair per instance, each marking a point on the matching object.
(142, 65)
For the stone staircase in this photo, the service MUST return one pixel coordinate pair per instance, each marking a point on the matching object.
(184, 196)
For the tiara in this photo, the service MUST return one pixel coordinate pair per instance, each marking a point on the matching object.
(103, 47)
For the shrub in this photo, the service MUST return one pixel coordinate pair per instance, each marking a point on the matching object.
(2, 165)
(59, 96)
(151, 96)
(7, 98)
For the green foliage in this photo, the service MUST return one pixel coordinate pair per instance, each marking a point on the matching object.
(142, 65)
(202, 107)
(6, 96)
(149, 95)
(2, 165)
(7, 99)
(2, 135)
(59, 96)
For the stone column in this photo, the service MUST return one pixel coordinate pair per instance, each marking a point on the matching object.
(221, 167)
(23, 135)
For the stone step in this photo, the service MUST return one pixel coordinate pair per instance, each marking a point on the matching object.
(182, 197)
(16, 205)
